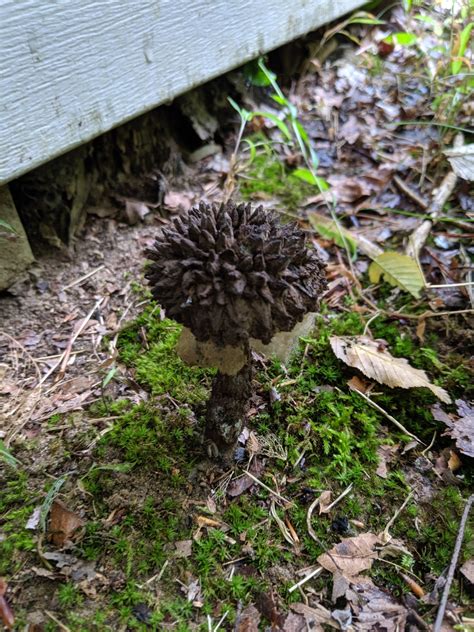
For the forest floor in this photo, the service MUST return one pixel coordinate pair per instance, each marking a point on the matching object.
(345, 501)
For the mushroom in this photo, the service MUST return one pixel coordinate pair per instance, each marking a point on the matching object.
(232, 275)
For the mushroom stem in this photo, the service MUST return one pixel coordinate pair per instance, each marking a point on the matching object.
(226, 408)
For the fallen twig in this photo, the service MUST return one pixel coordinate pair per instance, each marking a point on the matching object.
(452, 567)
(420, 234)
(388, 416)
(314, 573)
(269, 489)
(385, 535)
(410, 192)
(82, 278)
(64, 358)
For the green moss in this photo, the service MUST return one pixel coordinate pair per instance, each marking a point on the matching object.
(16, 506)
(267, 175)
(154, 361)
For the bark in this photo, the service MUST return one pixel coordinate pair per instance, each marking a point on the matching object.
(226, 409)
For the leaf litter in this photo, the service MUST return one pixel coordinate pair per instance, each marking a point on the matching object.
(351, 113)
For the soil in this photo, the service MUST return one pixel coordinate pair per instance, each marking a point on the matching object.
(100, 413)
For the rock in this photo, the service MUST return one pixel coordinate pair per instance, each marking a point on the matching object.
(15, 251)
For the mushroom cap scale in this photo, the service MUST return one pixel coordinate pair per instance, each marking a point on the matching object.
(230, 273)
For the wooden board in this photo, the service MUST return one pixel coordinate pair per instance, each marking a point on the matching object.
(73, 69)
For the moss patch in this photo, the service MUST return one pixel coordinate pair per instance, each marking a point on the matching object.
(146, 487)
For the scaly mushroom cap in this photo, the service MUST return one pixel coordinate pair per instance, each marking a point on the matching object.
(230, 273)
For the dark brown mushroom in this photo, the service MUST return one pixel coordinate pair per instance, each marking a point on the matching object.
(230, 274)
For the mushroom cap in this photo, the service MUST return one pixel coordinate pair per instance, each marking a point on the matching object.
(230, 273)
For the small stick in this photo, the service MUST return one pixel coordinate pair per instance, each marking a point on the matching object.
(452, 567)
(57, 621)
(269, 489)
(464, 284)
(419, 236)
(385, 532)
(312, 532)
(314, 573)
(63, 360)
(338, 499)
(388, 416)
(410, 192)
(82, 278)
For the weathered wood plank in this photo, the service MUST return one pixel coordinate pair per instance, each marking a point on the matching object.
(71, 70)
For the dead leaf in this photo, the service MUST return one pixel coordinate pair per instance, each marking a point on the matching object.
(351, 130)
(324, 502)
(467, 569)
(357, 383)
(71, 566)
(239, 485)
(294, 623)
(374, 609)
(386, 454)
(135, 212)
(463, 433)
(351, 556)
(249, 620)
(462, 161)
(183, 548)
(454, 462)
(178, 200)
(365, 354)
(462, 429)
(315, 616)
(6, 613)
(33, 520)
(63, 524)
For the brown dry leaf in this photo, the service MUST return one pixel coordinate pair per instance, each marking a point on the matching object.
(463, 433)
(135, 212)
(240, 485)
(63, 524)
(178, 199)
(467, 569)
(352, 555)
(294, 623)
(183, 548)
(324, 501)
(462, 429)
(6, 614)
(357, 383)
(368, 356)
(249, 620)
(454, 462)
(315, 616)
(374, 609)
(386, 454)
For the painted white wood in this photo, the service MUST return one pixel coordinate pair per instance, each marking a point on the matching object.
(73, 69)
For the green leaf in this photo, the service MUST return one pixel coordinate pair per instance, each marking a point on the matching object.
(361, 20)
(255, 75)
(7, 226)
(109, 376)
(398, 270)
(280, 100)
(244, 114)
(404, 39)
(456, 65)
(308, 176)
(329, 229)
(48, 501)
(278, 122)
(7, 456)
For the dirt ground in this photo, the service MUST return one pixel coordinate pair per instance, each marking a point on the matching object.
(344, 505)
